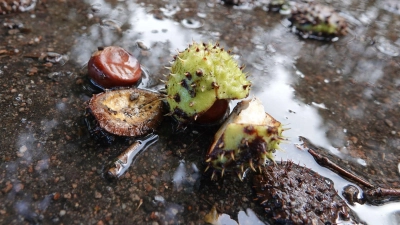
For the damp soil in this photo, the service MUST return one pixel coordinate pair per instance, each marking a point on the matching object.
(343, 96)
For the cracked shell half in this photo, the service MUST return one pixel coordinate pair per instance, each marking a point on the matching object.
(127, 112)
(247, 139)
(200, 75)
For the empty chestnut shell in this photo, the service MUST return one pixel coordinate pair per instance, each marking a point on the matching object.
(127, 112)
(114, 67)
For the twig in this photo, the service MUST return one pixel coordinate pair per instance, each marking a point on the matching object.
(325, 162)
(373, 194)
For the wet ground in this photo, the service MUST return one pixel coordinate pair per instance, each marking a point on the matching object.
(342, 96)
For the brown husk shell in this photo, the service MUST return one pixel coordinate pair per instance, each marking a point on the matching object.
(292, 194)
(127, 112)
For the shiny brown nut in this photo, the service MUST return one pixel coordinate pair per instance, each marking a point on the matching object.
(214, 114)
(114, 67)
(127, 112)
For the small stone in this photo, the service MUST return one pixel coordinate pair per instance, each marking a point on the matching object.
(32, 71)
(23, 149)
(18, 187)
(48, 64)
(67, 195)
(350, 193)
(13, 31)
(398, 166)
(389, 122)
(135, 197)
(62, 212)
(56, 196)
(174, 211)
(97, 195)
(7, 188)
(42, 165)
(108, 217)
(79, 81)
(148, 187)
(74, 185)
(142, 45)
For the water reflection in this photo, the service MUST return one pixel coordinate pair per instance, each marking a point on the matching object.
(244, 218)
(153, 30)
(123, 24)
(186, 179)
(170, 10)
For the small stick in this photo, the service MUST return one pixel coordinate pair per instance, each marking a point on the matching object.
(325, 162)
(140, 203)
(382, 192)
(371, 194)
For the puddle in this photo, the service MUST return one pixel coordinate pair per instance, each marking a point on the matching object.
(342, 96)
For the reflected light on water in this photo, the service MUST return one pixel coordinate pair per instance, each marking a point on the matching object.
(279, 101)
(131, 23)
(165, 30)
(179, 175)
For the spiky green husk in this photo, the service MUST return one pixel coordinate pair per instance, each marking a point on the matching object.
(277, 4)
(199, 76)
(318, 20)
(247, 139)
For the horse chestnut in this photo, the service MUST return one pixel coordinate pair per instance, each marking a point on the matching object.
(114, 67)
(214, 114)
(201, 75)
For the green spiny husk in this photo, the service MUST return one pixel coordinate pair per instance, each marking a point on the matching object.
(317, 20)
(200, 75)
(247, 139)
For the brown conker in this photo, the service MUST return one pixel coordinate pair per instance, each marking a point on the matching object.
(113, 66)
(215, 113)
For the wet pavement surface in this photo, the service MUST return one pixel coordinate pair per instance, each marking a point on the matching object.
(342, 96)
